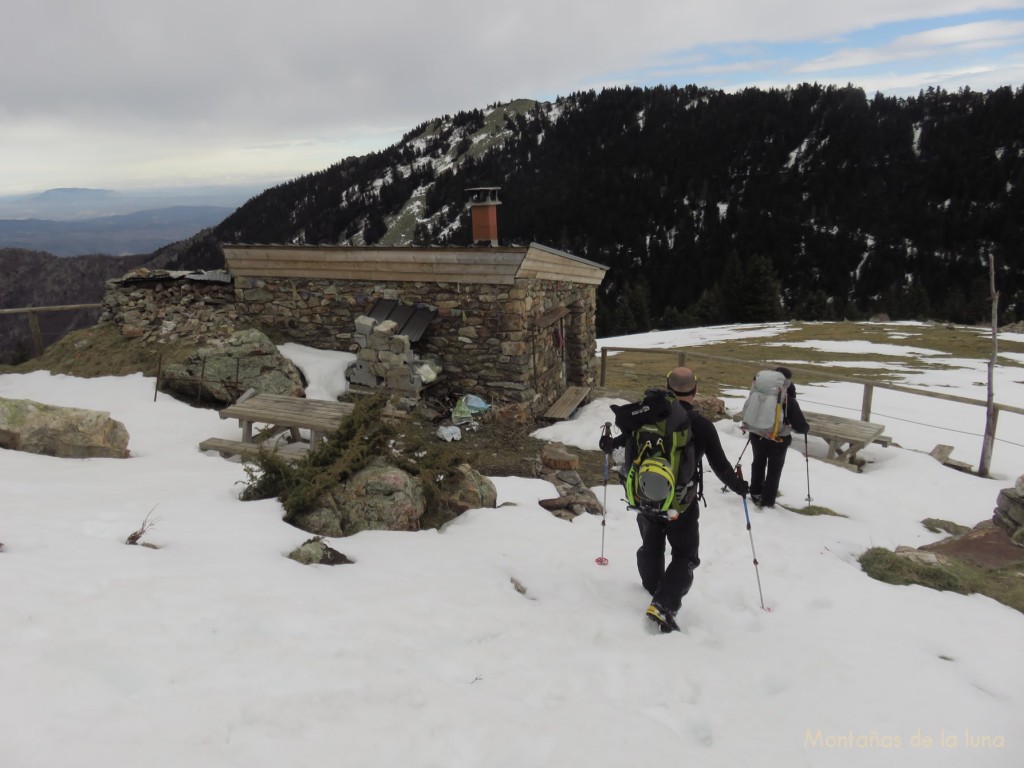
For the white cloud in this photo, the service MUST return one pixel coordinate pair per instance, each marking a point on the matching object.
(124, 90)
(934, 42)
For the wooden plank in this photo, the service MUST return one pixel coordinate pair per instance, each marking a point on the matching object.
(373, 252)
(564, 406)
(565, 271)
(827, 425)
(239, 448)
(58, 308)
(378, 275)
(556, 277)
(943, 454)
(426, 256)
(542, 265)
(550, 318)
(376, 266)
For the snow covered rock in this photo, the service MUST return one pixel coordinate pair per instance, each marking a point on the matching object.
(73, 433)
(228, 367)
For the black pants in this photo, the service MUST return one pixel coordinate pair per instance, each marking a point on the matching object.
(766, 469)
(668, 585)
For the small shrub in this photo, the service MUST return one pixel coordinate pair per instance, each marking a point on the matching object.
(147, 525)
(884, 565)
(362, 436)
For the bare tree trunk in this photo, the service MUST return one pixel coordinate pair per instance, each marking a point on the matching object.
(990, 411)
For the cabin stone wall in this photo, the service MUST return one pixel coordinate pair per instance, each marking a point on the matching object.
(487, 337)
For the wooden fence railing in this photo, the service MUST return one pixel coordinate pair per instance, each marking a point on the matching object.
(869, 386)
(33, 320)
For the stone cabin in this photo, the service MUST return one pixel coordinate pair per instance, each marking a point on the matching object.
(512, 324)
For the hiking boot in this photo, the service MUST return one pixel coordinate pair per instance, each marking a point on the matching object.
(666, 620)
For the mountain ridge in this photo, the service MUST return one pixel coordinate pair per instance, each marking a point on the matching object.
(139, 232)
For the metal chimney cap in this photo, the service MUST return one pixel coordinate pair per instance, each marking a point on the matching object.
(484, 195)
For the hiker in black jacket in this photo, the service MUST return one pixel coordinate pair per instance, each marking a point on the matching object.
(769, 454)
(668, 585)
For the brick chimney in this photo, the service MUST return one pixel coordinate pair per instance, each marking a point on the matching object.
(483, 206)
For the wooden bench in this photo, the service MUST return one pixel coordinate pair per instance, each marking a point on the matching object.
(284, 413)
(845, 437)
(281, 414)
(564, 406)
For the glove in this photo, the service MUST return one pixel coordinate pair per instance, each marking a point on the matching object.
(606, 444)
(744, 488)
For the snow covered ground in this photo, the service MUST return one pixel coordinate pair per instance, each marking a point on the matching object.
(216, 650)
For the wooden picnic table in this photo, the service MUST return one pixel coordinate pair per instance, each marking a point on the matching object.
(845, 437)
(281, 413)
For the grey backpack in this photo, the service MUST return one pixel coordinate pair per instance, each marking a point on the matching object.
(764, 412)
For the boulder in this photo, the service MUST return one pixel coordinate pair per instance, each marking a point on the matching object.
(377, 498)
(467, 489)
(1009, 513)
(50, 430)
(381, 497)
(315, 551)
(710, 407)
(226, 368)
(557, 456)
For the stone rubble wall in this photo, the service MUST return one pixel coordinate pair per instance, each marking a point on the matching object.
(1009, 511)
(484, 336)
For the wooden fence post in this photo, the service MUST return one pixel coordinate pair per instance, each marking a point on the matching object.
(159, 372)
(604, 363)
(37, 336)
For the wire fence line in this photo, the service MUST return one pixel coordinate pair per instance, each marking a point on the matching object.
(868, 385)
(889, 417)
(33, 320)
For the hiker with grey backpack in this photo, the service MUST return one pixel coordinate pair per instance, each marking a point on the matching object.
(665, 442)
(771, 415)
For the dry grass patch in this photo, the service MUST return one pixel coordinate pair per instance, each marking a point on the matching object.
(950, 574)
(739, 359)
(813, 510)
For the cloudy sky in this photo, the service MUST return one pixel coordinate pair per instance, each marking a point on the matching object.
(128, 95)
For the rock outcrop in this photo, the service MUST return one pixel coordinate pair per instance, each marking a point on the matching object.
(50, 430)
(382, 497)
(558, 466)
(1009, 511)
(224, 369)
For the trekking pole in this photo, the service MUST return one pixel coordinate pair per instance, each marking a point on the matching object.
(739, 470)
(750, 532)
(807, 462)
(606, 431)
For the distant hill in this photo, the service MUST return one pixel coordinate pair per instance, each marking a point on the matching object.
(133, 233)
(74, 203)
